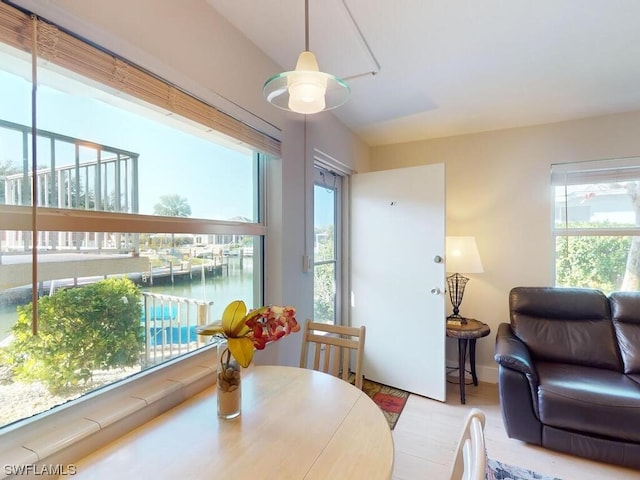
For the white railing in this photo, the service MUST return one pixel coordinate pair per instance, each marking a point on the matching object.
(170, 325)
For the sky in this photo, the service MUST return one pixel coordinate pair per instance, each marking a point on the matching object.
(323, 210)
(215, 180)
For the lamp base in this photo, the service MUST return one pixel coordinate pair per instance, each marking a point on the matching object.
(456, 284)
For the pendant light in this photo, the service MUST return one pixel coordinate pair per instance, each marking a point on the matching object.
(306, 90)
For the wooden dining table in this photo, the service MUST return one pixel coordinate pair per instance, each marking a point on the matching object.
(295, 424)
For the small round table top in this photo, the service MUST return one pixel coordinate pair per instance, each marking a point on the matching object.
(472, 329)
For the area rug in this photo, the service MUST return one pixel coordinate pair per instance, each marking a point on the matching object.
(390, 400)
(501, 471)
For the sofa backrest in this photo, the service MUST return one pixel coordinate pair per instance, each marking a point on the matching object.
(625, 312)
(567, 325)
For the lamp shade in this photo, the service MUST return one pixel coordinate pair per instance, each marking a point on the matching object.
(307, 86)
(462, 255)
(306, 89)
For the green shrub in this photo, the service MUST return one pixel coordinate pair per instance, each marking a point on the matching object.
(82, 329)
(592, 261)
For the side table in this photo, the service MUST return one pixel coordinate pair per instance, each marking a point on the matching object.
(467, 334)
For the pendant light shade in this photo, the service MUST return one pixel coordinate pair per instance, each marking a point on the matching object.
(307, 86)
(306, 89)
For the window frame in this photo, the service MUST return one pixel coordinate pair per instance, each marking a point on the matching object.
(584, 173)
(132, 401)
(320, 180)
(324, 161)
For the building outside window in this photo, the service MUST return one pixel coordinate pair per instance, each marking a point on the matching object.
(596, 214)
(124, 192)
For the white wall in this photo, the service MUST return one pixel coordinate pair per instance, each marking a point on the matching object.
(188, 43)
(498, 189)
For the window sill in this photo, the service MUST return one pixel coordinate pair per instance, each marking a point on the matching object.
(79, 427)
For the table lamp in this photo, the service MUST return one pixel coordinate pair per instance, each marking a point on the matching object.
(461, 256)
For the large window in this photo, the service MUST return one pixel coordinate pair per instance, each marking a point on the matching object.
(126, 219)
(597, 224)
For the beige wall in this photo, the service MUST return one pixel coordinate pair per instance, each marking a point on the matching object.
(497, 189)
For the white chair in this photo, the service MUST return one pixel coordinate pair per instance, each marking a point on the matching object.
(470, 462)
(334, 343)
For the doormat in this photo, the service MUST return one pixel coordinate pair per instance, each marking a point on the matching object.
(501, 471)
(390, 400)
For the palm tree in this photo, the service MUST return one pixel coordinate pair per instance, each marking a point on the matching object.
(172, 206)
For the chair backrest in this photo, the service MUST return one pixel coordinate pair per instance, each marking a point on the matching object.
(333, 344)
(470, 462)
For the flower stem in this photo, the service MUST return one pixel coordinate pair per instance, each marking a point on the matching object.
(226, 363)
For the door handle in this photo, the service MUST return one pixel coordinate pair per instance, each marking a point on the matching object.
(437, 259)
(436, 291)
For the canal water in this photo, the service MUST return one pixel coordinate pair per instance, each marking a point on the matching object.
(221, 290)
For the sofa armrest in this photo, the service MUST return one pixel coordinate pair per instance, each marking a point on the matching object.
(518, 387)
(512, 353)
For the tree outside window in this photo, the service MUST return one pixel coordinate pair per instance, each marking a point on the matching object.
(597, 224)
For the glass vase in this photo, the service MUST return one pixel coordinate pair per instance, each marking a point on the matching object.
(229, 383)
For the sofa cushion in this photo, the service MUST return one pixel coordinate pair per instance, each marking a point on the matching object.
(591, 400)
(625, 312)
(635, 377)
(567, 325)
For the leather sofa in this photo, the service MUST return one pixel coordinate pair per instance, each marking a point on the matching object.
(569, 372)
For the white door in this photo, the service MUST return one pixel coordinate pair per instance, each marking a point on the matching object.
(398, 276)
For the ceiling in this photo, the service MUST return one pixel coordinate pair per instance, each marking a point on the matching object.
(449, 67)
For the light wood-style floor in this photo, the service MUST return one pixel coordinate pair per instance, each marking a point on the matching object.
(426, 435)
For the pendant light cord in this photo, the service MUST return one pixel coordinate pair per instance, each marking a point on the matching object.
(306, 25)
(364, 42)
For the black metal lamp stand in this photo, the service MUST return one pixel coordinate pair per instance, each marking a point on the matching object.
(456, 284)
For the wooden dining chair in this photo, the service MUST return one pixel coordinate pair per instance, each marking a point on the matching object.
(470, 462)
(332, 346)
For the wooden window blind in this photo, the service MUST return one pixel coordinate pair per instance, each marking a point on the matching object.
(68, 51)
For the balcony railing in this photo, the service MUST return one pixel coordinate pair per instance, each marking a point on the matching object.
(170, 325)
(71, 173)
